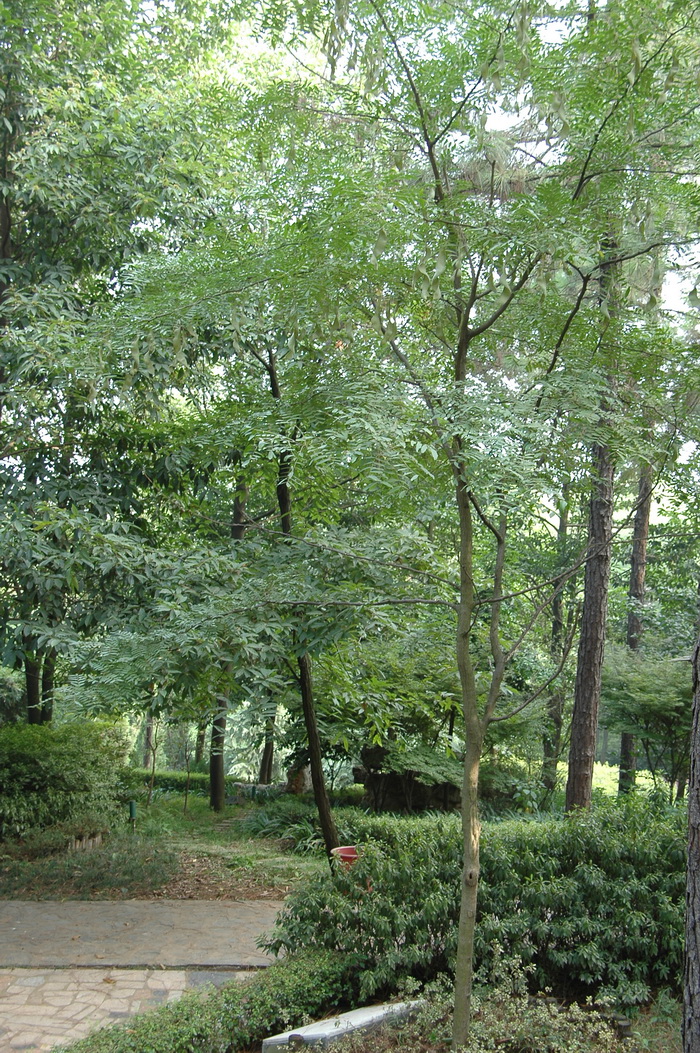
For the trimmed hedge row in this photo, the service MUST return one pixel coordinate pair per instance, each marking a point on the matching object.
(594, 902)
(176, 782)
(237, 1016)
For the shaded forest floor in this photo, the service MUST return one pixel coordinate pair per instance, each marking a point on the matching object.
(170, 855)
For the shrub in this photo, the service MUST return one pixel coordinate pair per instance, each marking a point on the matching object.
(67, 776)
(593, 902)
(175, 781)
(237, 1016)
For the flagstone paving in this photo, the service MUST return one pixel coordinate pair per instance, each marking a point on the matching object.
(68, 968)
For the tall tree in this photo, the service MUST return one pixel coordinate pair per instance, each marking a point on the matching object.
(640, 538)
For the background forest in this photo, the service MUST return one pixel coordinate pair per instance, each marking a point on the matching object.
(348, 392)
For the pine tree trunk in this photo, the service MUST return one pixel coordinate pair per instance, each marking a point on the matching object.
(591, 650)
(217, 780)
(691, 987)
(32, 679)
(628, 745)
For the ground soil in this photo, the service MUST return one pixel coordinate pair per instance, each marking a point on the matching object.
(204, 877)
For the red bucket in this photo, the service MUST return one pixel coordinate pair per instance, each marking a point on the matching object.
(346, 855)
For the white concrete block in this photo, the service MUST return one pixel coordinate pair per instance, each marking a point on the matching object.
(324, 1032)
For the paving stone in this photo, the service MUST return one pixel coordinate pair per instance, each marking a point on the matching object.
(194, 933)
(45, 1001)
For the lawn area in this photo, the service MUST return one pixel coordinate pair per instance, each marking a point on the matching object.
(197, 855)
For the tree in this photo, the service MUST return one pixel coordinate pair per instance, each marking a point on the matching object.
(98, 162)
(502, 211)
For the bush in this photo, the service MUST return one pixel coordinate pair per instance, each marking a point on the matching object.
(237, 1016)
(593, 902)
(175, 781)
(67, 777)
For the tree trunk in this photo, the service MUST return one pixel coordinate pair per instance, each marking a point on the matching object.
(47, 683)
(32, 679)
(284, 501)
(591, 649)
(200, 741)
(551, 737)
(217, 781)
(691, 989)
(268, 754)
(628, 745)
(471, 828)
(323, 804)
(148, 743)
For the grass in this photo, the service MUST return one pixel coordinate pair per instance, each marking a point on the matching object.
(200, 854)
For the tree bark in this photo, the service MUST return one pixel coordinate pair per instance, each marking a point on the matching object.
(268, 754)
(47, 685)
(474, 734)
(148, 743)
(640, 538)
(551, 737)
(32, 679)
(591, 649)
(200, 741)
(217, 780)
(284, 502)
(691, 986)
(323, 804)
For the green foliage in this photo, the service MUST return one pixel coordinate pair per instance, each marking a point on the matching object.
(11, 700)
(592, 902)
(69, 776)
(125, 867)
(652, 699)
(177, 781)
(505, 1018)
(236, 1017)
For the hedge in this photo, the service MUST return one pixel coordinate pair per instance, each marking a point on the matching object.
(235, 1017)
(594, 902)
(69, 776)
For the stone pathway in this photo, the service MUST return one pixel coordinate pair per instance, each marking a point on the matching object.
(68, 968)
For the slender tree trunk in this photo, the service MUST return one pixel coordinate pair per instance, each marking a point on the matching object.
(628, 745)
(325, 815)
(284, 501)
(268, 754)
(148, 743)
(471, 827)
(691, 998)
(47, 685)
(32, 679)
(591, 649)
(217, 780)
(551, 737)
(200, 741)
(153, 747)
